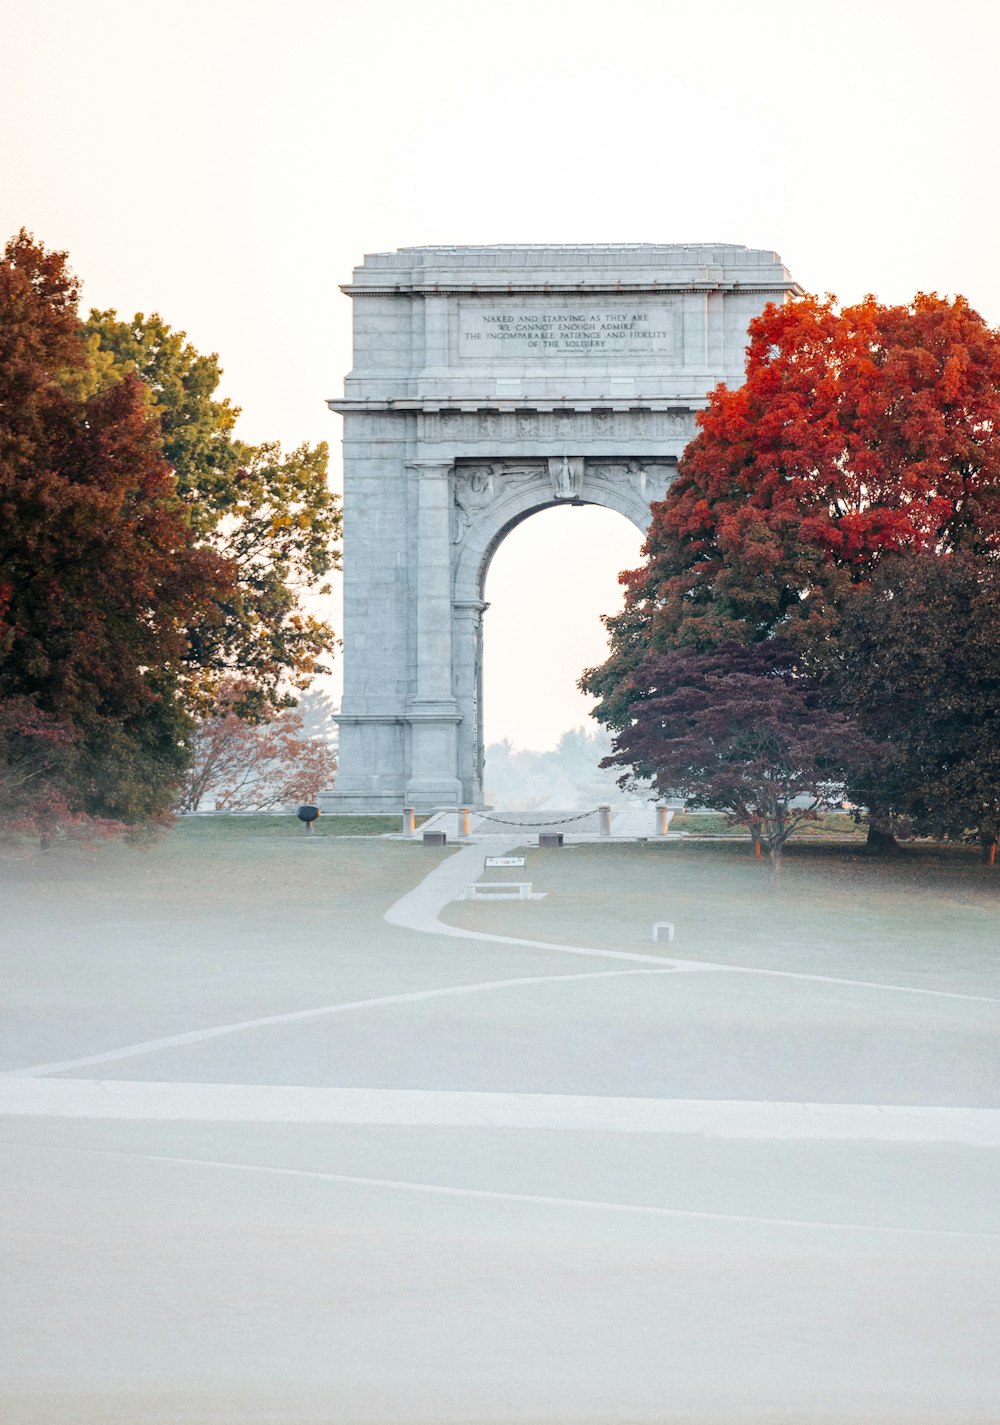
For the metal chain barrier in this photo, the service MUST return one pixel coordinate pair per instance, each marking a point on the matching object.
(542, 820)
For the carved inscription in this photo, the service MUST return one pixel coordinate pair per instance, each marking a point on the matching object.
(516, 330)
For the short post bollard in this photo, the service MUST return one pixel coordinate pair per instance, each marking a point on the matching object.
(604, 812)
(409, 821)
(307, 815)
(463, 820)
(663, 813)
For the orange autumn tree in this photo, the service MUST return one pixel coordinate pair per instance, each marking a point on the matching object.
(860, 436)
(241, 766)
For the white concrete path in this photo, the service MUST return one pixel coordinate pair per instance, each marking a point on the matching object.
(275, 1103)
(420, 909)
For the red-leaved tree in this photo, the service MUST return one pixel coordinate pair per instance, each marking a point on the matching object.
(37, 753)
(101, 576)
(740, 730)
(254, 766)
(860, 436)
(918, 663)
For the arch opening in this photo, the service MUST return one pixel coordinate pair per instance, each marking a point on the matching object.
(547, 580)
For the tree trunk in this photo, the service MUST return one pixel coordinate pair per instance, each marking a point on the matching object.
(988, 849)
(775, 841)
(881, 840)
(774, 856)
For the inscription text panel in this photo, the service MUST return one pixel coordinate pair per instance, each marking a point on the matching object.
(519, 330)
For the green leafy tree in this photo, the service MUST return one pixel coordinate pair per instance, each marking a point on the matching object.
(317, 709)
(271, 513)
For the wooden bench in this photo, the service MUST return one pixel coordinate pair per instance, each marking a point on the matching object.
(499, 891)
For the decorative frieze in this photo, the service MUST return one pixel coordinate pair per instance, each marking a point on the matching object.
(564, 426)
(648, 478)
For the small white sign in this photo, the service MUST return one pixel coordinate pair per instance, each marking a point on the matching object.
(505, 860)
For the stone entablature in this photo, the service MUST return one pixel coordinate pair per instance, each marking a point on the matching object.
(555, 324)
(489, 383)
(557, 427)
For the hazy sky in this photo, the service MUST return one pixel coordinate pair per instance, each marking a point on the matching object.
(227, 163)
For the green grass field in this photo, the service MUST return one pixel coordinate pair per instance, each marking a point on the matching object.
(833, 826)
(929, 914)
(282, 826)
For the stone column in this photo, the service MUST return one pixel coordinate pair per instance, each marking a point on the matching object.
(374, 736)
(468, 653)
(432, 712)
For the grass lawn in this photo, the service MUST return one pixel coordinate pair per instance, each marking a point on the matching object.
(929, 916)
(288, 825)
(220, 918)
(226, 919)
(833, 825)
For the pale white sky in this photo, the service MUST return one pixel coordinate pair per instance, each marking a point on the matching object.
(227, 162)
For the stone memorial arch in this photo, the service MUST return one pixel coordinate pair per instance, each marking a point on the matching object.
(490, 383)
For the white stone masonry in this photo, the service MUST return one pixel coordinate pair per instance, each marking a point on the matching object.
(488, 383)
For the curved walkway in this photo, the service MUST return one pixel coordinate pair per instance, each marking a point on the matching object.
(25, 1094)
(420, 910)
(126, 1099)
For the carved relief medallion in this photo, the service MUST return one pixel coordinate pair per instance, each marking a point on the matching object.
(473, 492)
